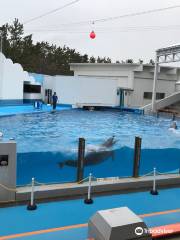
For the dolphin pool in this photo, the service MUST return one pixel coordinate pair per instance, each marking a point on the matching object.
(47, 144)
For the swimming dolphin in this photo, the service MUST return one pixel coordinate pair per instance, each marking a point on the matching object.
(104, 146)
(109, 142)
(90, 159)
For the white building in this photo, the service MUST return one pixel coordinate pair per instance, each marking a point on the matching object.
(81, 91)
(128, 85)
(132, 83)
(12, 79)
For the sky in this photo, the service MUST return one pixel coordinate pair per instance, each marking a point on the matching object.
(134, 37)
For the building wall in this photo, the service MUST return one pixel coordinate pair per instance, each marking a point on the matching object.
(12, 78)
(143, 82)
(124, 73)
(135, 78)
(146, 85)
(82, 90)
(97, 88)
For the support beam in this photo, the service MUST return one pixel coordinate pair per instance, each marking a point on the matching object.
(1, 41)
(164, 55)
(155, 84)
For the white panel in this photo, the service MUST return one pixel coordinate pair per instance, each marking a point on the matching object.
(79, 90)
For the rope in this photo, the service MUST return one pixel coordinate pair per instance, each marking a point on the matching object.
(171, 172)
(86, 179)
(13, 189)
(148, 174)
(7, 188)
(69, 184)
(8, 201)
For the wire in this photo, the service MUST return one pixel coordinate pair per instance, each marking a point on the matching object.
(136, 14)
(50, 12)
(118, 30)
(95, 21)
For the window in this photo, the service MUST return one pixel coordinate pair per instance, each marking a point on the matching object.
(28, 88)
(3, 160)
(147, 95)
(160, 96)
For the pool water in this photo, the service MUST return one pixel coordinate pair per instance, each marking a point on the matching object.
(45, 142)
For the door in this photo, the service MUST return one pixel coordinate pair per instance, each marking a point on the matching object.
(121, 97)
(48, 96)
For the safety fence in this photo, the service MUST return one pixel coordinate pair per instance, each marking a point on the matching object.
(94, 179)
(88, 182)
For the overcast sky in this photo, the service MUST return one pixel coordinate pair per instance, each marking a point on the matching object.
(113, 39)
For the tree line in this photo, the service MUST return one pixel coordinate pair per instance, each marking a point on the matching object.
(41, 57)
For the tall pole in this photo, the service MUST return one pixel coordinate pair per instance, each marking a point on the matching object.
(1, 41)
(81, 155)
(154, 84)
(137, 156)
(1, 63)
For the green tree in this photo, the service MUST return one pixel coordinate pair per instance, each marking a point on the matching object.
(92, 59)
(129, 60)
(5, 41)
(40, 57)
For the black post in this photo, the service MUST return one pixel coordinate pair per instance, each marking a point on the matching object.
(81, 154)
(137, 156)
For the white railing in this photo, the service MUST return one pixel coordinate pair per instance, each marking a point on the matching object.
(165, 102)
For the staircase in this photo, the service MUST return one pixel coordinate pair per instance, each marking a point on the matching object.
(170, 103)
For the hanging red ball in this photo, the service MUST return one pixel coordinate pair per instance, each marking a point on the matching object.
(92, 35)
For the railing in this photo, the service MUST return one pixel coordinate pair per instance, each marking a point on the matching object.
(165, 102)
(93, 179)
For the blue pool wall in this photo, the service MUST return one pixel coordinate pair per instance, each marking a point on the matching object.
(24, 102)
(12, 102)
(44, 166)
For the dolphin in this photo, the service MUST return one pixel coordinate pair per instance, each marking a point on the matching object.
(104, 146)
(90, 159)
(109, 142)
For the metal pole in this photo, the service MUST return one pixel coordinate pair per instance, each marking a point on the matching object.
(1, 43)
(32, 192)
(157, 114)
(154, 85)
(1, 60)
(154, 181)
(154, 190)
(81, 155)
(137, 156)
(89, 200)
(173, 117)
(32, 205)
(89, 187)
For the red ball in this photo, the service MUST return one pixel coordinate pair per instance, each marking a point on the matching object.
(92, 35)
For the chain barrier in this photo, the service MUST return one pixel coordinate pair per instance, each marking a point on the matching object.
(177, 171)
(7, 188)
(93, 179)
(68, 184)
(147, 175)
